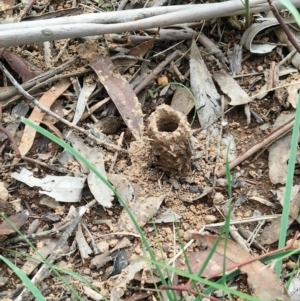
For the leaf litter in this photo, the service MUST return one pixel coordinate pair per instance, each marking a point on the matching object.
(112, 86)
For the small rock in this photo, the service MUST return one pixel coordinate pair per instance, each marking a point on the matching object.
(51, 217)
(64, 265)
(210, 218)
(3, 196)
(113, 242)
(290, 265)
(162, 80)
(260, 68)
(103, 246)
(87, 271)
(218, 198)
(94, 228)
(187, 236)
(95, 275)
(3, 281)
(194, 189)
(175, 184)
(222, 182)
(108, 125)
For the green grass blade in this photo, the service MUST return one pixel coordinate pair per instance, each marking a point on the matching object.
(288, 186)
(82, 159)
(248, 16)
(205, 282)
(292, 9)
(25, 280)
(43, 260)
(187, 89)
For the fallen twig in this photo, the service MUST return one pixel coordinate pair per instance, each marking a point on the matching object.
(12, 91)
(9, 136)
(102, 141)
(152, 75)
(34, 34)
(187, 286)
(43, 271)
(120, 141)
(45, 165)
(34, 236)
(284, 27)
(39, 85)
(268, 140)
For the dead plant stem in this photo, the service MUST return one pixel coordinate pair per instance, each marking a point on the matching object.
(284, 27)
(43, 271)
(101, 141)
(286, 248)
(267, 141)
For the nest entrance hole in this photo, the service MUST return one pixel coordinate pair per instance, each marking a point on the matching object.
(167, 122)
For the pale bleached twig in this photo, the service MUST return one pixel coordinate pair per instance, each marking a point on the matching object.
(43, 271)
(31, 34)
(119, 143)
(101, 141)
(244, 220)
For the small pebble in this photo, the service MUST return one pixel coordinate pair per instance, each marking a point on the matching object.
(103, 246)
(218, 198)
(3, 193)
(210, 218)
(113, 243)
(194, 189)
(290, 265)
(94, 228)
(260, 68)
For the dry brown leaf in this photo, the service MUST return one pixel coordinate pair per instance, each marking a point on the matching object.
(137, 51)
(143, 48)
(6, 4)
(18, 220)
(47, 100)
(121, 93)
(143, 210)
(271, 232)
(122, 186)
(100, 260)
(231, 88)
(47, 246)
(182, 101)
(261, 279)
(53, 128)
(19, 65)
(196, 260)
(292, 91)
(120, 283)
(58, 109)
(279, 152)
(207, 98)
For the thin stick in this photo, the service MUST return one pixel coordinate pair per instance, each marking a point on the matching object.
(187, 286)
(45, 165)
(152, 75)
(284, 27)
(43, 271)
(110, 146)
(13, 37)
(286, 248)
(9, 136)
(268, 140)
(119, 143)
(34, 236)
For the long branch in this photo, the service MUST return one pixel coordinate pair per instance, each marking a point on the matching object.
(35, 34)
